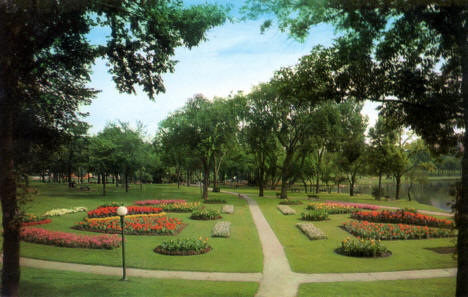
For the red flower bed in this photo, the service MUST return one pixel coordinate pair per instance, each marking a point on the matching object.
(62, 239)
(42, 222)
(139, 225)
(157, 202)
(402, 217)
(110, 211)
(365, 229)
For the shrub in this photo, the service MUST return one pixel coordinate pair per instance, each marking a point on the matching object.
(286, 210)
(311, 231)
(63, 211)
(203, 213)
(183, 247)
(290, 202)
(62, 239)
(141, 225)
(158, 202)
(221, 229)
(402, 217)
(32, 220)
(315, 215)
(214, 201)
(229, 208)
(393, 231)
(110, 211)
(362, 248)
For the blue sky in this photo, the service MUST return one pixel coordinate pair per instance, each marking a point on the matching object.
(235, 57)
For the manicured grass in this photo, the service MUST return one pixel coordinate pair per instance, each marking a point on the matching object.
(358, 198)
(436, 287)
(240, 253)
(318, 256)
(46, 283)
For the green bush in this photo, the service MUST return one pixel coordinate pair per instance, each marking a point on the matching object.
(203, 213)
(362, 248)
(314, 215)
(183, 246)
(215, 201)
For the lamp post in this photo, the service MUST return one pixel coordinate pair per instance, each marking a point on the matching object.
(122, 211)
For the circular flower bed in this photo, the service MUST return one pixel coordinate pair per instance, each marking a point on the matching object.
(183, 247)
(32, 220)
(290, 202)
(205, 214)
(331, 208)
(135, 225)
(110, 211)
(362, 248)
(402, 217)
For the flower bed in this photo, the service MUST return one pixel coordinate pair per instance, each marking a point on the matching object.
(311, 231)
(180, 207)
(315, 215)
(221, 229)
(111, 211)
(355, 205)
(394, 231)
(62, 239)
(63, 211)
(158, 202)
(183, 247)
(142, 225)
(286, 210)
(205, 214)
(402, 217)
(331, 208)
(153, 215)
(290, 202)
(362, 248)
(32, 220)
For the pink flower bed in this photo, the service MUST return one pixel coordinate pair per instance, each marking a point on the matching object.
(156, 202)
(62, 239)
(26, 224)
(355, 205)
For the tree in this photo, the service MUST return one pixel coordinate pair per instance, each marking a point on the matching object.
(45, 64)
(381, 150)
(422, 72)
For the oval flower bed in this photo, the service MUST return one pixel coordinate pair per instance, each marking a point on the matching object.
(205, 214)
(331, 208)
(362, 248)
(139, 225)
(183, 247)
(355, 205)
(157, 202)
(63, 211)
(32, 220)
(403, 217)
(180, 207)
(62, 239)
(394, 231)
(110, 211)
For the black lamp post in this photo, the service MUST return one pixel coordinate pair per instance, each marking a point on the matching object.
(122, 211)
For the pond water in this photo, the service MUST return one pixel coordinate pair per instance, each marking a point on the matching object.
(435, 193)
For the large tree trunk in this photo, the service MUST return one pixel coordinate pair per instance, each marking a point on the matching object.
(261, 173)
(317, 185)
(462, 205)
(10, 222)
(178, 176)
(126, 181)
(397, 187)
(352, 181)
(215, 175)
(104, 184)
(206, 179)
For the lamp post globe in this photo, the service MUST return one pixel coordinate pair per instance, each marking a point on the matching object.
(122, 211)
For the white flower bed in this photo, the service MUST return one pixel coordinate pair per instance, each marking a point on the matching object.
(63, 211)
(221, 229)
(286, 210)
(311, 231)
(229, 208)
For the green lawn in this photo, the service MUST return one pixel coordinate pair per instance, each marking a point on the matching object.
(46, 283)
(318, 256)
(436, 287)
(240, 253)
